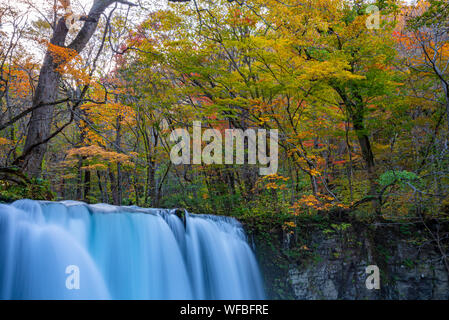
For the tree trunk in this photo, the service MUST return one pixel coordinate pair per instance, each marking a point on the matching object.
(86, 186)
(151, 183)
(79, 179)
(367, 155)
(103, 192)
(118, 140)
(446, 96)
(114, 190)
(356, 109)
(41, 118)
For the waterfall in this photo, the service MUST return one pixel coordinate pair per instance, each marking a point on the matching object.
(122, 253)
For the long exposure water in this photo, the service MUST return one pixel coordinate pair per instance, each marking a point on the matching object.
(122, 253)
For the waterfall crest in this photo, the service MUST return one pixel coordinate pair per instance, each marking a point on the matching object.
(122, 253)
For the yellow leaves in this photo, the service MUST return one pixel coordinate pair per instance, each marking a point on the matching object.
(96, 166)
(314, 173)
(98, 153)
(309, 201)
(105, 116)
(288, 226)
(309, 204)
(261, 106)
(379, 148)
(272, 182)
(326, 197)
(334, 68)
(163, 20)
(272, 185)
(68, 176)
(275, 177)
(93, 137)
(263, 120)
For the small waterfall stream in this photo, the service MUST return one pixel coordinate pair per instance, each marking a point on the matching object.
(122, 253)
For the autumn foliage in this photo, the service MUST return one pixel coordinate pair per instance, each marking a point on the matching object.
(353, 106)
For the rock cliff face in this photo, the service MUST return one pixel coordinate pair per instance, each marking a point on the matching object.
(331, 263)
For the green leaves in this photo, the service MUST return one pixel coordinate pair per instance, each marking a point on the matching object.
(403, 178)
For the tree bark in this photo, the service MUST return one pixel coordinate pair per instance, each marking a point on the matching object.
(356, 109)
(103, 193)
(114, 191)
(365, 146)
(118, 141)
(41, 118)
(86, 186)
(79, 179)
(368, 157)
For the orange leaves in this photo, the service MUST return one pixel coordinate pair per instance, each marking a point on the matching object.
(309, 201)
(61, 55)
(308, 143)
(314, 172)
(106, 116)
(100, 154)
(309, 204)
(4, 142)
(272, 185)
(288, 226)
(263, 120)
(69, 63)
(261, 106)
(273, 182)
(339, 162)
(19, 72)
(420, 43)
(19, 82)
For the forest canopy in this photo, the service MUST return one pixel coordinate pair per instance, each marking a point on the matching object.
(358, 91)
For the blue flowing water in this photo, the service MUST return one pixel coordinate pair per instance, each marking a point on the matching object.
(122, 253)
